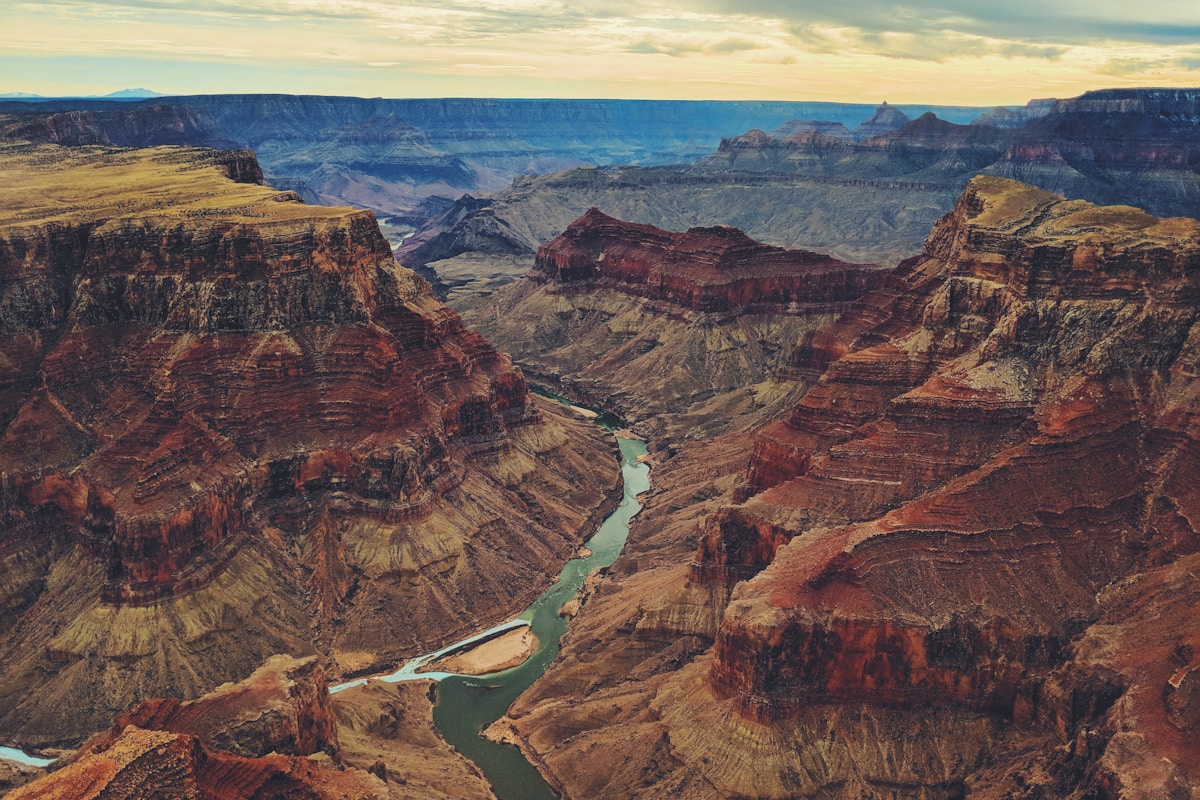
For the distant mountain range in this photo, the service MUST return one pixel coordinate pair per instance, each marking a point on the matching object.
(123, 94)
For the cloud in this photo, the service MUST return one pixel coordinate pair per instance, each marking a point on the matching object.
(937, 47)
(922, 46)
(1061, 22)
(681, 46)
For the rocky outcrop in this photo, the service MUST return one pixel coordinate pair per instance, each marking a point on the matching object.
(157, 765)
(243, 740)
(233, 426)
(717, 269)
(885, 120)
(964, 490)
(282, 707)
(958, 567)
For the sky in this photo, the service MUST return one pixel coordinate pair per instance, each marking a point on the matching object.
(950, 52)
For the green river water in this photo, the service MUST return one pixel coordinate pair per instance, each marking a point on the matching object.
(466, 705)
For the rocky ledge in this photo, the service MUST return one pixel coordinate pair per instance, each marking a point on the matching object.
(714, 269)
(231, 426)
(242, 740)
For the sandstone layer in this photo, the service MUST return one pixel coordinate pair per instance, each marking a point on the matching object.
(277, 734)
(684, 332)
(958, 567)
(233, 426)
(159, 765)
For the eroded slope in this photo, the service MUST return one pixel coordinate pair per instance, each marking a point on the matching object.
(684, 331)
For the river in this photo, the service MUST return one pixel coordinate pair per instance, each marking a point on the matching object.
(467, 704)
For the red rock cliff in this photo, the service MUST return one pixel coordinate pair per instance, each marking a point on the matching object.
(999, 440)
(704, 269)
(233, 426)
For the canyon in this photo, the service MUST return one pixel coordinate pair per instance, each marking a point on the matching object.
(962, 564)
(916, 531)
(233, 426)
(870, 194)
(410, 159)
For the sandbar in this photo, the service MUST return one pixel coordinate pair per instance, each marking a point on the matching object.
(503, 652)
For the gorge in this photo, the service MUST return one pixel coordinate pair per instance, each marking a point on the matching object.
(924, 583)
(921, 530)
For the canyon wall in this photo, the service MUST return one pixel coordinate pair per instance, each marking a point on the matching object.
(717, 269)
(233, 426)
(959, 566)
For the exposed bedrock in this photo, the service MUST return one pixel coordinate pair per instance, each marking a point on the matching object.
(233, 426)
(687, 333)
(704, 269)
(937, 520)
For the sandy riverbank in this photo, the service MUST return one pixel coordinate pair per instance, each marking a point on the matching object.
(493, 655)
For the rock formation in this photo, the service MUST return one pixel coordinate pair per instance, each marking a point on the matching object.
(885, 120)
(652, 323)
(159, 765)
(717, 269)
(233, 426)
(282, 707)
(249, 739)
(960, 566)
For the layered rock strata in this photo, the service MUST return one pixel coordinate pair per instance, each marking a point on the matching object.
(688, 329)
(717, 269)
(243, 739)
(870, 196)
(399, 156)
(233, 426)
(958, 567)
(159, 765)
(284, 706)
